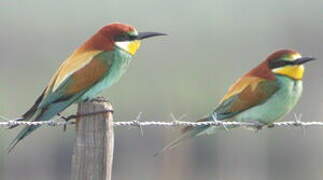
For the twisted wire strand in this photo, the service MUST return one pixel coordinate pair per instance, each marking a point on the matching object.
(176, 123)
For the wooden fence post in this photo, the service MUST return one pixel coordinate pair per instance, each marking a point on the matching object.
(93, 147)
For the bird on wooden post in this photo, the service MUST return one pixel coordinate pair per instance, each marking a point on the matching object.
(95, 65)
(263, 95)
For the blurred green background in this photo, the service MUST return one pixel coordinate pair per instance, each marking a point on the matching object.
(210, 44)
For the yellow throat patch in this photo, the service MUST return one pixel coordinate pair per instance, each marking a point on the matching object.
(130, 46)
(295, 72)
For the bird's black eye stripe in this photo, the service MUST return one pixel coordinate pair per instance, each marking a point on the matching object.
(132, 37)
(125, 37)
(122, 37)
(280, 63)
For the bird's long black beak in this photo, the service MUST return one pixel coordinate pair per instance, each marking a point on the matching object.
(303, 60)
(144, 35)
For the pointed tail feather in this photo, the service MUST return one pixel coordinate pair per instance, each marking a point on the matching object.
(23, 133)
(192, 132)
(25, 117)
(189, 132)
(30, 113)
(36, 114)
(27, 129)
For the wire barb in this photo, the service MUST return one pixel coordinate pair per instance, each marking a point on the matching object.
(136, 122)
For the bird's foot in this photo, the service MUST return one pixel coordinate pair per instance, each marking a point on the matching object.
(66, 119)
(75, 116)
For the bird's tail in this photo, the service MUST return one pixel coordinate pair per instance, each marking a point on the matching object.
(188, 132)
(25, 117)
(23, 133)
(30, 113)
(38, 114)
(26, 130)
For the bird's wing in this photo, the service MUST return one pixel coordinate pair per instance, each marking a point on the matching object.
(74, 63)
(76, 75)
(244, 94)
(247, 92)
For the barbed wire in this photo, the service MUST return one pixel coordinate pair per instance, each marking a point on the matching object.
(174, 123)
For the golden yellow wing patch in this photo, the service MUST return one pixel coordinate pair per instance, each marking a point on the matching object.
(240, 85)
(86, 76)
(247, 92)
(74, 63)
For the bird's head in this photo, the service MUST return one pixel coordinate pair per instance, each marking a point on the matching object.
(125, 36)
(288, 62)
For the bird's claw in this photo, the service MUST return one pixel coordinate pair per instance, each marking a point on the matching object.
(66, 119)
(75, 116)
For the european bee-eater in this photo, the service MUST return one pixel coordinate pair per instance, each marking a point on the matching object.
(94, 66)
(263, 95)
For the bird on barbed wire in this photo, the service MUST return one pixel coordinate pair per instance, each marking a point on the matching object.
(94, 66)
(263, 95)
